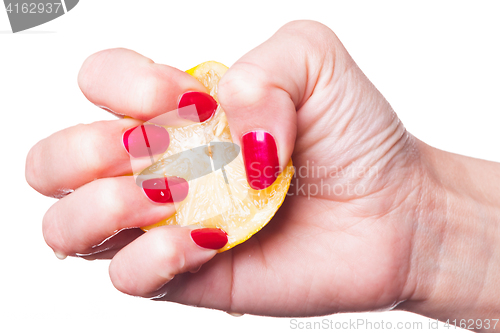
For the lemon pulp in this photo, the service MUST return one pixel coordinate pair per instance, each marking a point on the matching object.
(221, 199)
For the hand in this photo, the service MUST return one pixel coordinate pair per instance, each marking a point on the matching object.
(350, 235)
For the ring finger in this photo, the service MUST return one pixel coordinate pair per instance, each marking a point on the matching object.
(77, 223)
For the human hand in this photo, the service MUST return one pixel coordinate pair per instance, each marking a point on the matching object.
(344, 240)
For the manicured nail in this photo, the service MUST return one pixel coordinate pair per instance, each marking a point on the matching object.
(60, 256)
(209, 238)
(205, 106)
(166, 190)
(260, 155)
(146, 140)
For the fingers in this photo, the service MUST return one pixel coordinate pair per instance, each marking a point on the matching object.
(77, 155)
(130, 84)
(126, 83)
(79, 222)
(261, 92)
(146, 264)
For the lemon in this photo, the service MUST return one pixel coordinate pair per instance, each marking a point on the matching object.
(222, 198)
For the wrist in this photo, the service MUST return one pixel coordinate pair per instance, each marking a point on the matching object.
(455, 265)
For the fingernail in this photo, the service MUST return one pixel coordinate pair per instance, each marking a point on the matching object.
(209, 238)
(60, 256)
(146, 140)
(166, 190)
(205, 106)
(260, 156)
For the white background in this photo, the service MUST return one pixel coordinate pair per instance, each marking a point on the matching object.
(437, 62)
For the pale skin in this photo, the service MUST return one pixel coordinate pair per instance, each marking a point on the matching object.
(420, 234)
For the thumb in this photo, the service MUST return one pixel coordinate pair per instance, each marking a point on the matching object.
(261, 92)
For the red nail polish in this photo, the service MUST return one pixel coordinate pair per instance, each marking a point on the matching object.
(205, 106)
(166, 190)
(260, 156)
(209, 238)
(146, 140)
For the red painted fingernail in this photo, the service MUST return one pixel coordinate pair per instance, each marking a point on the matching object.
(166, 190)
(146, 140)
(209, 238)
(260, 155)
(205, 106)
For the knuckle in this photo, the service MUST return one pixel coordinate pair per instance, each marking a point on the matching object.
(243, 85)
(120, 278)
(52, 232)
(110, 191)
(315, 40)
(92, 74)
(32, 166)
(89, 148)
(165, 261)
(147, 87)
(88, 70)
(93, 66)
(171, 258)
(309, 31)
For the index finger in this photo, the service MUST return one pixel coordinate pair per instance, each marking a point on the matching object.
(128, 83)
